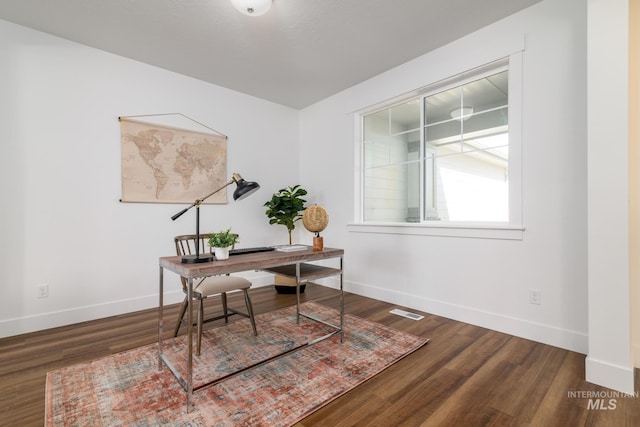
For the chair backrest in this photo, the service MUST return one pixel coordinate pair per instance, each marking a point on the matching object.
(186, 244)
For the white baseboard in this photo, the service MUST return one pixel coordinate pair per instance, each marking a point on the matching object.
(39, 322)
(546, 334)
(519, 327)
(615, 377)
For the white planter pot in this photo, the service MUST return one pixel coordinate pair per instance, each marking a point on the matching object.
(221, 253)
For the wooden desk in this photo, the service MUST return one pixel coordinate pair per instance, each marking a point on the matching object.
(293, 264)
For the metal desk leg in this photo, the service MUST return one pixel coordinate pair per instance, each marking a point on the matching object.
(297, 293)
(189, 343)
(341, 302)
(160, 318)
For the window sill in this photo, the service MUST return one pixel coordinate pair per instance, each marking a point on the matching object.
(467, 230)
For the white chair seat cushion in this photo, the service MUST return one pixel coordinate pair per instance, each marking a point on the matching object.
(218, 284)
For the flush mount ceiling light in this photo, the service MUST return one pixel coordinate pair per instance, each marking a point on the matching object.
(462, 113)
(252, 7)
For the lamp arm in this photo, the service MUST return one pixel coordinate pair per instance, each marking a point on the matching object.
(199, 201)
(231, 181)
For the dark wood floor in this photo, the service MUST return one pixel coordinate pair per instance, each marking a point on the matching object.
(465, 376)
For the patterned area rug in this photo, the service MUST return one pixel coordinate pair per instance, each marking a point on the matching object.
(127, 389)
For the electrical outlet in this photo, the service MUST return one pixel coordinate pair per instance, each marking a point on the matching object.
(535, 296)
(42, 290)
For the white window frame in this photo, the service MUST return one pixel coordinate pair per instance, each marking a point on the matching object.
(511, 230)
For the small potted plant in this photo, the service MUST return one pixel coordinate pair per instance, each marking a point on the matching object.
(221, 242)
(285, 207)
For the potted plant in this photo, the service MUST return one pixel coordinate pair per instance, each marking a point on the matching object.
(221, 242)
(285, 207)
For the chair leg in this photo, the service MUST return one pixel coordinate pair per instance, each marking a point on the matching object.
(247, 300)
(183, 310)
(200, 322)
(225, 310)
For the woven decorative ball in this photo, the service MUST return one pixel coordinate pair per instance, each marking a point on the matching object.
(315, 218)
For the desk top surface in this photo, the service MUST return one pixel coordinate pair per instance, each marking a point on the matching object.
(245, 262)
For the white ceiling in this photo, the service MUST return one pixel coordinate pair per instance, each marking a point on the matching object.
(298, 53)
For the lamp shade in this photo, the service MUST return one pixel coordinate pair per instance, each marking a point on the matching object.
(252, 7)
(244, 188)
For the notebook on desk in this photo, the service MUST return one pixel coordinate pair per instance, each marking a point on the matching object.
(291, 248)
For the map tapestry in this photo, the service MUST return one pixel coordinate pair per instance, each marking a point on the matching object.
(164, 164)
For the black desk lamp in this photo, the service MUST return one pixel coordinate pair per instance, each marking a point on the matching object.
(243, 189)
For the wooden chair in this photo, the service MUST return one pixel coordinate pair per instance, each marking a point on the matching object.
(210, 286)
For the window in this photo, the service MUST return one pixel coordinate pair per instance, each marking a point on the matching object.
(442, 156)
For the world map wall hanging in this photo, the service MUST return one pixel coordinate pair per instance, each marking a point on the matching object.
(163, 163)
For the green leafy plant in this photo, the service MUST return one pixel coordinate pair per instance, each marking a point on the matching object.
(285, 207)
(223, 239)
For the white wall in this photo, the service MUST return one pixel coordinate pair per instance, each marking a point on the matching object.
(481, 281)
(61, 220)
(634, 172)
(610, 355)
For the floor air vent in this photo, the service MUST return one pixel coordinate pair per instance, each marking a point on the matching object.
(406, 314)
